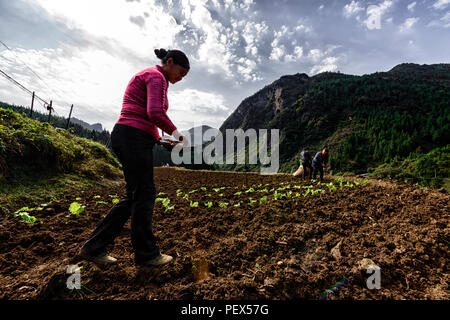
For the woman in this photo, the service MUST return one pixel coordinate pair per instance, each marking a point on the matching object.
(133, 137)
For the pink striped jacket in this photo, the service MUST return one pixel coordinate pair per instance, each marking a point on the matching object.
(145, 103)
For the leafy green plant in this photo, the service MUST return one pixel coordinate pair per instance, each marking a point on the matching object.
(76, 208)
(238, 193)
(263, 199)
(193, 204)
(186, 196)
(203, 188)
(24, 215)
(331, 186)
(250, 190)
(223, 204)
(192, 191)
(179, 192)
(115, 200)
(97, 197)
(208, 204)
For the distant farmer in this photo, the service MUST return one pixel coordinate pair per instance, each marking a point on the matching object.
(144, 109)
(319, 162)
(306, 158)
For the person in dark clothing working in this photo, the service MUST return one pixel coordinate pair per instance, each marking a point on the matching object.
(319, 162)
(306, 158)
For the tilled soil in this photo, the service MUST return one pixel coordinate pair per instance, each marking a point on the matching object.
(299, 247)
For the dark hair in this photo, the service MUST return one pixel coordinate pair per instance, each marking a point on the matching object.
(178, 57)
(305, 148)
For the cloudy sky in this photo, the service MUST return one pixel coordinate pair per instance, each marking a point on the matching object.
(85, 51)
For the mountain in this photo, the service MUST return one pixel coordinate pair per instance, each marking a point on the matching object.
(96, 126)
(195, 134)
(366, 121)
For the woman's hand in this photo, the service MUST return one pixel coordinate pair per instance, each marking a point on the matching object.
(177, 135)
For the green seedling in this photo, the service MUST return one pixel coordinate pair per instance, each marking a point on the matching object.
(220, 194)
(192, 191)
(203, 188)
(179, 192)
(115, 200)
(313, 192)
(194, 204)
(78, 199)
(24, 215)
(264, 190)
(186, 196)
(263, 199)
(209, 195)
(161, 193)
(101, 202)
(97, 197)
(250, 190)
(238, 204)
(238, 193)
(331, 186)
(216, 189)
(208, 204)
(223, 204)
(76, 208)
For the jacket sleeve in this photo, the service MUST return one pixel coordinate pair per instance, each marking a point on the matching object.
(156, 91)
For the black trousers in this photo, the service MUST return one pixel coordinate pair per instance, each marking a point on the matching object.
(134, 148)
(307, 165)
(318, 167)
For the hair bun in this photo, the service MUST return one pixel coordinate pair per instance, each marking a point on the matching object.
(160, 53)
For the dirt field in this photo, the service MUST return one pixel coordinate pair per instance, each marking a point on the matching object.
(294, 247)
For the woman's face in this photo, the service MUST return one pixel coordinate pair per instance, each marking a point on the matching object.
(174, 72)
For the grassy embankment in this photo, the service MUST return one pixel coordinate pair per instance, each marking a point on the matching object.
(39, 163)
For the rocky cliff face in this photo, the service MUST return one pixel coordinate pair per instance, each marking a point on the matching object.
(259, 109)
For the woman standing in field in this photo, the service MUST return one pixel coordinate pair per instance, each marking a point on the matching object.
(144, 109)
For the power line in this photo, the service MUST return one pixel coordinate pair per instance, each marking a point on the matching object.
(35, 73)
(21, 86)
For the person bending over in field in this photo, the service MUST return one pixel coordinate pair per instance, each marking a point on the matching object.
(305, 156)
(144, 109)
(319, 163)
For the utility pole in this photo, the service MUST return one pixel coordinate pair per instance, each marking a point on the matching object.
(32, 103)
(70, 114)
(49, 108)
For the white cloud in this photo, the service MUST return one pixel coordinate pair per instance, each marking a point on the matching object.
(444, 22)
(327, 64)
(409, 22)
(315, 55)
(99, 78)
(321, 7)
(375, 13)
(158, 30)
(441, 4)
(411, 6)
(191, 107)
(352, 9)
